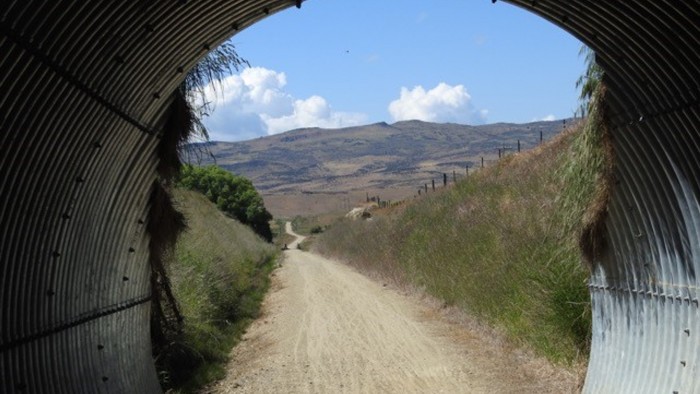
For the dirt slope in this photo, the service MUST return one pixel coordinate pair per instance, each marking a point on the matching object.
(328, 329)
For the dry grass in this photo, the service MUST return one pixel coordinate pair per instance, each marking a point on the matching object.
(492, 247)
(219, 273)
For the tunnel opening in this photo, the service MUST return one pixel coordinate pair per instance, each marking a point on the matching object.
(85, 87)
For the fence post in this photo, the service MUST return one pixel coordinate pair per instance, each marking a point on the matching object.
(482, 161)
(540, 136)
(426, 188)
(454, 176)
(518, 146)
(433, 184)
(499, 153)
(444, 179)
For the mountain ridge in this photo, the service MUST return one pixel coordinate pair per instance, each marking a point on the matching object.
(371, 159)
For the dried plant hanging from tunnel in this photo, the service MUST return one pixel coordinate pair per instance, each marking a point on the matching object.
(206, 77)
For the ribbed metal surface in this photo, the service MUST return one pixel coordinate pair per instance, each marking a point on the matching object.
(83, 88)
(646, 321)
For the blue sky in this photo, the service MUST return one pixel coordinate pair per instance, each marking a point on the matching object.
(337, 63)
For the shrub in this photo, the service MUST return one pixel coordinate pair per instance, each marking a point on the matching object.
(234, 195)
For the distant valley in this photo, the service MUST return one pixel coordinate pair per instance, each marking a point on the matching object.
(313, 170)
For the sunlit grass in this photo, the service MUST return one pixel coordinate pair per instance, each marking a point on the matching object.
(497, 245)
(219, 273)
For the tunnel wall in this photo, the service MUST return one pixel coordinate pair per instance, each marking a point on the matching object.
(84, 86)
(83, 90)
(644, 288)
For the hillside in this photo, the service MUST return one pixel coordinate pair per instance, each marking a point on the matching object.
(344, 165)
(219, 274)
(500, 245)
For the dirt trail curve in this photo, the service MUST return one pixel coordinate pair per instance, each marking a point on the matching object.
(327, 329)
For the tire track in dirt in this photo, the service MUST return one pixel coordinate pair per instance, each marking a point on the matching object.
(328, 329)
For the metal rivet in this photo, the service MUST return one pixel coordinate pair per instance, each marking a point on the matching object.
(140, 221)
(55, 254)
(50, 293)
(100, 347)
(150, 28)
(683, 363)
(132, 250)
(65, 216)
(687, 331)
(156, 95)
(266, 11)
(181, 69)
(96, 145)
(80, 179)
(235, 26)
(119, 60)
(206, 47)
(125, 278)
(104, 378)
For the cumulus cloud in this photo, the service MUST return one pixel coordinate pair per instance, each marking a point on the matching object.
(443, 103)
(314, 111)
(547, 118)
(255, 103)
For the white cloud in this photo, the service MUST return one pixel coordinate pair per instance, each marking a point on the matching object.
(547, 118)
(443, 103)
(255, 103)
(313, 111)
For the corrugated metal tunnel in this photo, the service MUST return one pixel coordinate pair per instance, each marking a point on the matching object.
(84, 87)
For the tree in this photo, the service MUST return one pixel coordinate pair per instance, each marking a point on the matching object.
(234, 195)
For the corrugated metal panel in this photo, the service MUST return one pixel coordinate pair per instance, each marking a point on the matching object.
(84, 84)
(644, 292)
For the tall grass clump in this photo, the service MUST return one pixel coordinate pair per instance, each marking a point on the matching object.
(501, 245)
(219, 272)
(588, 178)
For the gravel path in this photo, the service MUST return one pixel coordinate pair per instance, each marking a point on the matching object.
(328, 329)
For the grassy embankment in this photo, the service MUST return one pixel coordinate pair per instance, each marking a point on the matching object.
(501, 245)
(219, 274)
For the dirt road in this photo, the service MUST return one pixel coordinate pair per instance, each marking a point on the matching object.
(328, 329)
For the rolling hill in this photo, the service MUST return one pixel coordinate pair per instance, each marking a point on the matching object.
(317, 170)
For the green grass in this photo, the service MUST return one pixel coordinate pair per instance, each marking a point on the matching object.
(219, 274)
(500, 245)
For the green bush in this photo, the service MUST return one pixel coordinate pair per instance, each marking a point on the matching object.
(232, 194)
